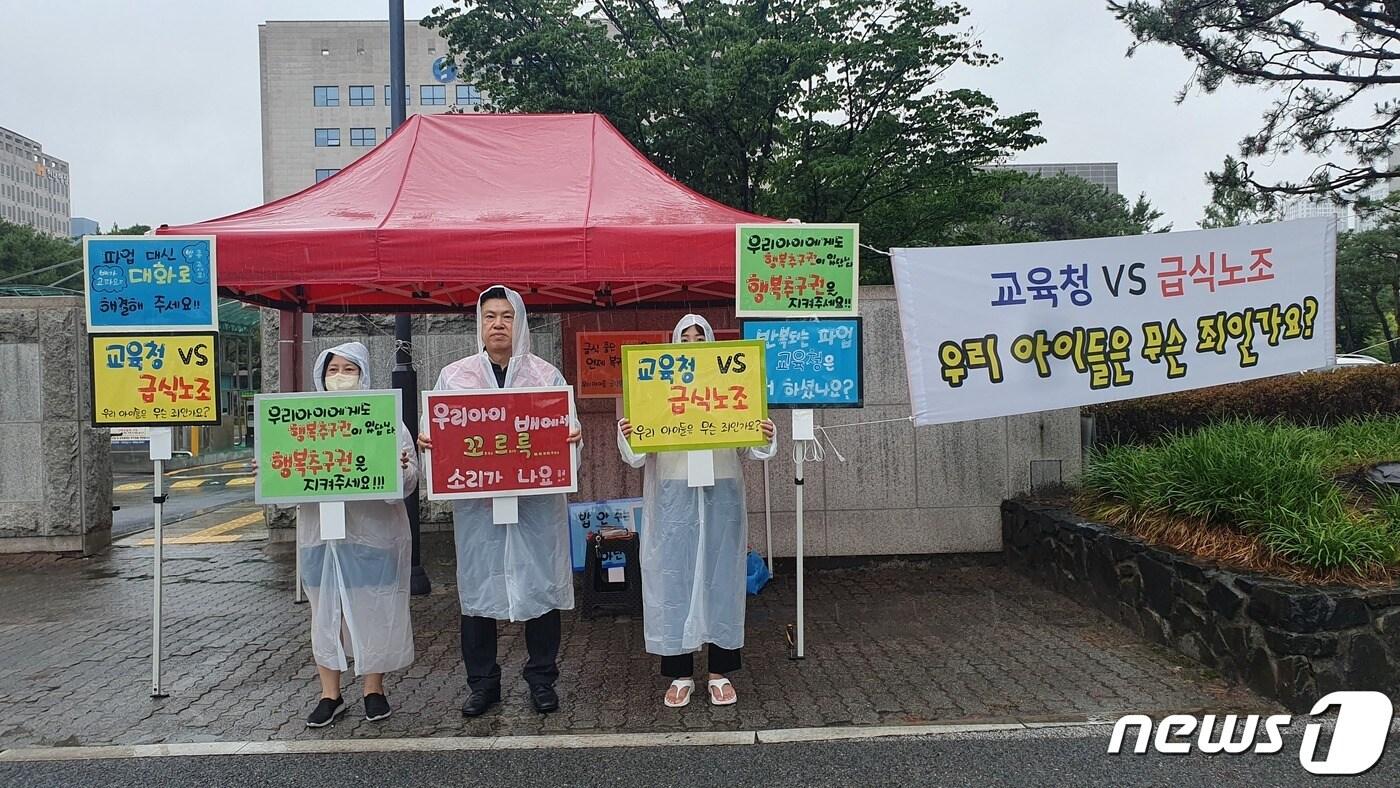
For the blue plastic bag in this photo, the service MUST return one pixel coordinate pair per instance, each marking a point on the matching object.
(758, 574)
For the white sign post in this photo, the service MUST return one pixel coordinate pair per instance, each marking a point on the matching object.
(160, 443)
(803, 432)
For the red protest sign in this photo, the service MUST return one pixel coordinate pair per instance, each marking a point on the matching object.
(499, 443)
(598, 358)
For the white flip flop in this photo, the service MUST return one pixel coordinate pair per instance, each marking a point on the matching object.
(720, 684)
(686, 684)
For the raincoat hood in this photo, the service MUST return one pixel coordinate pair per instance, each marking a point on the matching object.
(520, 343)
(354, 351)
(693, 320)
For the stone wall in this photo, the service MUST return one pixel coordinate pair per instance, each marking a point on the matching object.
(900, 490)
(55, 470)
(1286, 641)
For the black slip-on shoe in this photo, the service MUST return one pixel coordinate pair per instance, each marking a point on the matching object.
(325, 712)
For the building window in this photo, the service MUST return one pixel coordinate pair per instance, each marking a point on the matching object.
(328, 138)
(327, 96)
(387, 131)
(321, 175)
(432, 95)
(468, 96)
(386, 95)
(361, 95)
(361, 138)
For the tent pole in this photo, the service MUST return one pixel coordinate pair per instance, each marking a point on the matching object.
(405, 378)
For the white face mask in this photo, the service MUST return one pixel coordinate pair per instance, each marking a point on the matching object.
(348, 381)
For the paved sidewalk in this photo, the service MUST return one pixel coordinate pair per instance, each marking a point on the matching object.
(949, 639)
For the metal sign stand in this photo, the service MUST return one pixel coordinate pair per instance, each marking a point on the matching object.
(768, 516)
(160, 442)
(803, 432)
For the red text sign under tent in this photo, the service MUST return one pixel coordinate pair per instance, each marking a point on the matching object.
(562, 205)
(494, 443)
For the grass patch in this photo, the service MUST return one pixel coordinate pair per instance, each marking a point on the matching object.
(1281, 486)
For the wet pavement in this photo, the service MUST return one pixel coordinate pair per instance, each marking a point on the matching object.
(948, 639)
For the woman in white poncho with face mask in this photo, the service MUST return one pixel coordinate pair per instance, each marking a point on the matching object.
(358, 586)
(694, 542)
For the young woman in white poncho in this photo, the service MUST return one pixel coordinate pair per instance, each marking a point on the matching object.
(358, 586)
(694, 542)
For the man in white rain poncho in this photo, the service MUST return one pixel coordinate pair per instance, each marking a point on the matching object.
(358, 586)
(694, 542)
(516, 572)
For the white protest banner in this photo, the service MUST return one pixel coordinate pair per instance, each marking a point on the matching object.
(1020, 328)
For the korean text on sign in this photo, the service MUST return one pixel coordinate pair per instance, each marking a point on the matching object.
(154, 380)
(695, 395)
(327, 446)
(598, 358)
(161, 283)
(591, 516)
(1000, 330)
(797, 270)
(500, 443)
(811, 363)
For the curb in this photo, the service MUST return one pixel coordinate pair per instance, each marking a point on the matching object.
(567, 741)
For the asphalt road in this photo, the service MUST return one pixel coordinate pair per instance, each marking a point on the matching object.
(1041, 758)
(136, 512)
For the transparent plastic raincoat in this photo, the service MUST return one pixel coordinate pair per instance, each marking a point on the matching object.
(520, 571)
(694, 540)
(358, 586)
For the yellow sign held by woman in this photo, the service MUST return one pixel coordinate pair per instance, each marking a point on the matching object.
(695, 395)
(154, 380)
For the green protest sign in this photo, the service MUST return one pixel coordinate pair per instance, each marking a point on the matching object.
(318, 447)
(797, 270)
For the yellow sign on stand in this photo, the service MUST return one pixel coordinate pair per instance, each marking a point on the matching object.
(154, 380)
(695, 395)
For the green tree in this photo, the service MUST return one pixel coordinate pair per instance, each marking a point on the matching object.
(1368, 289)
(135, 229)
(823, 110)
(1325, 79)
(1231, 203)
(24, 249)
(1058, 208)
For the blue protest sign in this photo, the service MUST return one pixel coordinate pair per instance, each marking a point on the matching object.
(587, 517)
(150, 283)
(812, 363)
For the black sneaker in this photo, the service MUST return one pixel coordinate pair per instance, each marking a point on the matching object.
(376, 707)
(325, 712)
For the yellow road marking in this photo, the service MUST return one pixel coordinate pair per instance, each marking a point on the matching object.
(131, 487)
(187, 484)
(214, 533)
(233, 466)
(242, 481)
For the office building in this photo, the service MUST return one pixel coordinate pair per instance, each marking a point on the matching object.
(1103, 173)
(325, 94)
(79, 226)
(33, 185)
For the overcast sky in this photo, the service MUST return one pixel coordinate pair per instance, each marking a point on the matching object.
(155, 104)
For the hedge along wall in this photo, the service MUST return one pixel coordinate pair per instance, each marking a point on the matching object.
(1309, 399)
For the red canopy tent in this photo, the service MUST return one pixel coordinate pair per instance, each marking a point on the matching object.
(559, 207)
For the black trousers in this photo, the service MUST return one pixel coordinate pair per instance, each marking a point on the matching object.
(682, 666)
(479, 651)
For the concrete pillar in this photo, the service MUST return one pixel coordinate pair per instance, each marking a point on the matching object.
(55, 469)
